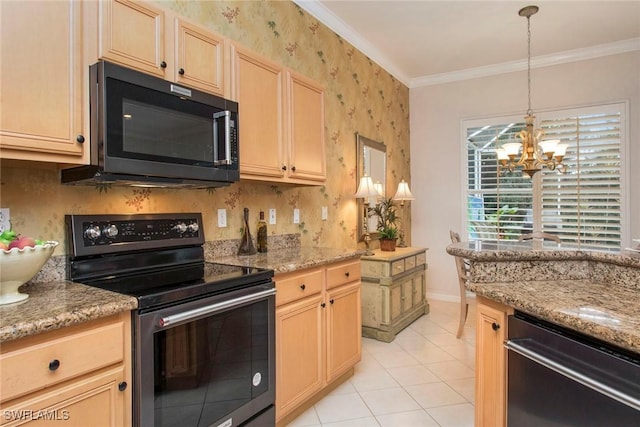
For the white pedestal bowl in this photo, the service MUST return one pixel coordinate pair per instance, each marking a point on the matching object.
(18, 266)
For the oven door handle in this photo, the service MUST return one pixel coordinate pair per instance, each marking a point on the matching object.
(572, 374)
(212, 308)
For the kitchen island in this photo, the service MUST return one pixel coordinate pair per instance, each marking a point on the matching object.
(589, 292)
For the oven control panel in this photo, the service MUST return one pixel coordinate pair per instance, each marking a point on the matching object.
(115, 233)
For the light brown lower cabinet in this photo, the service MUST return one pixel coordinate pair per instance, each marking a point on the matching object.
(491, 363)
(318, 323)
(75, 376)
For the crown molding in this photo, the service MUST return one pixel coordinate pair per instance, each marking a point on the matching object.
(345, 31)
(591, 52)
(331, 20)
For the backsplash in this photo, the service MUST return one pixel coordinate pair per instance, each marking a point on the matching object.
(359, 97)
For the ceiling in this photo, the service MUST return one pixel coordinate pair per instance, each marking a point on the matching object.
(425, 42)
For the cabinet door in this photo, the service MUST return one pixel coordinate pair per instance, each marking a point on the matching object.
(43, 80)
(258, 86)
(395, 301)
(418, 289)
(306, 129)
(490, 366)
(299, 352)
(344, 329)
(407, 294)
(200, 58)
(92, 401)
(133, 34)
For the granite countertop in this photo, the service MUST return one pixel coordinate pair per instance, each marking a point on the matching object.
(287, 260)
(539, 251)
(58, 304)
(607, 312)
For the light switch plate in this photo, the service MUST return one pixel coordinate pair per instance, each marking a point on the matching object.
(4, 220)
(325, 213)
(222, 218)
(272, 216)
(296, 216)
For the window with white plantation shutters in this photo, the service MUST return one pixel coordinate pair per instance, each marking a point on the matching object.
(497, 206)
(585, 206)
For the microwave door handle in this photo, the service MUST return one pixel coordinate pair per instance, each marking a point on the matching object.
(227, 138)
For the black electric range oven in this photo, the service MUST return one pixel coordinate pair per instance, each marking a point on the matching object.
(203, 333)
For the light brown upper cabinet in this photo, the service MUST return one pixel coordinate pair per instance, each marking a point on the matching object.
(44, 81)
(162, 44)
(281, 121)
(306, 129)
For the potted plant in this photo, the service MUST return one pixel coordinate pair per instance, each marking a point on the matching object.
(385, 210)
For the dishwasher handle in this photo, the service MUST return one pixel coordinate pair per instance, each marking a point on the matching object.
(516, 345)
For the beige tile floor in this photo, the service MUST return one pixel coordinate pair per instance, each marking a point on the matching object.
(423, 378)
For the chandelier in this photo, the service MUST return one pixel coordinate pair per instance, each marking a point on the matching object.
(533, 151)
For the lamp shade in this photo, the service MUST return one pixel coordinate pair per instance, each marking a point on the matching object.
(403, 192)
(366, 188)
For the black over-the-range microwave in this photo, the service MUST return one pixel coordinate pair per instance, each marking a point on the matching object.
(149, 131)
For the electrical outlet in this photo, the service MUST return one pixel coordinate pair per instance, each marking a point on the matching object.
(4, 220)
(325, 213)
(296, 216)
(272, 216)
(222, 218)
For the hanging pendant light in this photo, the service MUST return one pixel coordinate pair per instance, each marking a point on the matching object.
(532, 152)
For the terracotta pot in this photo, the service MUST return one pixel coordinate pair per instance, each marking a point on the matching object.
(388, 245)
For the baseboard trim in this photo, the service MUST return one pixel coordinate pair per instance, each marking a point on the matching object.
(447, 297)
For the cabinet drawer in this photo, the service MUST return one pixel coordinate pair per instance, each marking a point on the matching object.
(421, 258)
(51, 361)
(397, 267)
(409, 263)
(293, 287)
(342, 273)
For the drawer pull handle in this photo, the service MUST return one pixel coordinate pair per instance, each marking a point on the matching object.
(122, 386)
(54, 365)
(303, 286)
(346, 274)
(495, 326)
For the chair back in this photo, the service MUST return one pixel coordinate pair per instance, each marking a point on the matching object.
(461, 264)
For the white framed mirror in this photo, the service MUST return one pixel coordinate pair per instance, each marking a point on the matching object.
(371, 160)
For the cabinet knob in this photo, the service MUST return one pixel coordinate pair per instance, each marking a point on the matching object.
(163, 64)
(331, 301)
(54, 365)
(293, 168)
(346, 274)
(122, 386)
(181, 71)
(80, 138)
(284, 167)
(323, 305)
(495, 326)
(303, 286)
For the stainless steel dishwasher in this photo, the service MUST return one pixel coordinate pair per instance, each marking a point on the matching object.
(558, 378)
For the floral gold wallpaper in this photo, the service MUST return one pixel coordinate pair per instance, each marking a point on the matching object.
(360, 97)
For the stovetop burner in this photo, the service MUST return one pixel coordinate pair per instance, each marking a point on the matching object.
(167, 286)
(157, 258)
